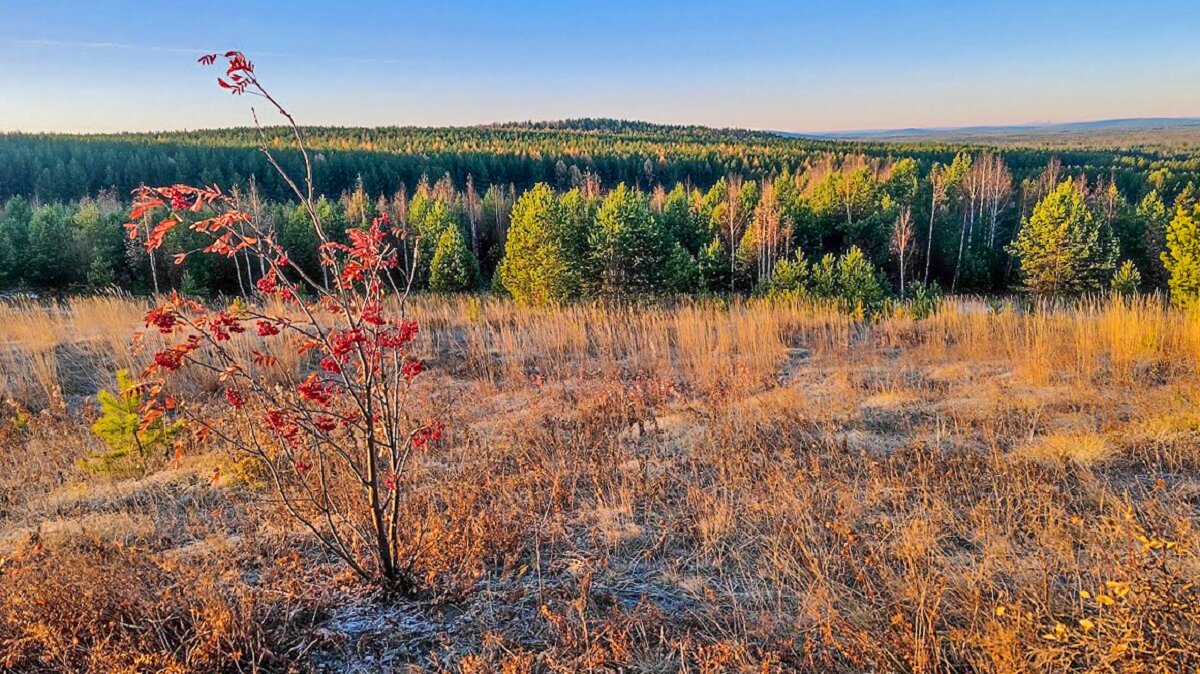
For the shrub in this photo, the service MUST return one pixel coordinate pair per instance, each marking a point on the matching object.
(925, 299)
(108, 608)
(334, 440)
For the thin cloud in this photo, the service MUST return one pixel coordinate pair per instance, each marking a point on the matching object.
(107, 45)
(69, 44)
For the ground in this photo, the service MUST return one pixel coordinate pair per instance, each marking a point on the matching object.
(695, 488)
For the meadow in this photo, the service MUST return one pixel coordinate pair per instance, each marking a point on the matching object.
(691, 486)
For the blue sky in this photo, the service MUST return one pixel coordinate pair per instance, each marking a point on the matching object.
(797, 66)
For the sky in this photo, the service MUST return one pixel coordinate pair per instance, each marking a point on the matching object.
(109, 65)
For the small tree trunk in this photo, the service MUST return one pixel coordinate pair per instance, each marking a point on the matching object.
(929, 240)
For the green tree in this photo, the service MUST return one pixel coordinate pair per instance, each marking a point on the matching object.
(850, 279)
(101, 241)
(130, 439)
(454, 268)
(790, 277)
(823, 278)
(52, 258)
(903, 182)
(299, 238)
(1127, 279)
(14, 240)
(682, 273)
(859, 288)
(430, 218)
(1063, 246)
(1152, 216)
(580, 209)
(538, 267)
(745, 268)
(712, 267)
(680, 223)
(1182, 257)
(628, 250)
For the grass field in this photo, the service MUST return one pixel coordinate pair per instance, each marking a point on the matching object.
(697, 487)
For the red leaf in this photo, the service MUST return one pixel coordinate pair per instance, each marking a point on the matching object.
(142, 207)
(156, 235)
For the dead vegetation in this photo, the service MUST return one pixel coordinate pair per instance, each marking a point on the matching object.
(691, 488)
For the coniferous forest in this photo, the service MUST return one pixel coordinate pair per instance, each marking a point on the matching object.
(563, 210)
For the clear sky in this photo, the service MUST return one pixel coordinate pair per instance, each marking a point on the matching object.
(106, 65)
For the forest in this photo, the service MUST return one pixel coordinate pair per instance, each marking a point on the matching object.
(557, 211)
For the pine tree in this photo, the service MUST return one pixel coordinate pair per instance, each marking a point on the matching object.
(790, 277)
(432, 220)
(1182, 257)
(130, 438)
(680, 223)
(823, 278)
(745, 268)
(712, 267)
(628, 250)
(1063, 246)
(52, 261)
(537, 267)
(454, 268)
(1127, 280)
(1152, 217)
(682, 274)
(859, 288)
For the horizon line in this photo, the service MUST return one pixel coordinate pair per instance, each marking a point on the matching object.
(508, 123)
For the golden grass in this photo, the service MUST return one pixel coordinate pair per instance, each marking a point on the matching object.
(695, 487)
(1085, 449)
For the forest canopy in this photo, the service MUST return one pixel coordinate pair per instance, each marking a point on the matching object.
(616, 207)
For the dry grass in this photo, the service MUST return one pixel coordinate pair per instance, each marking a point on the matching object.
(692, 488)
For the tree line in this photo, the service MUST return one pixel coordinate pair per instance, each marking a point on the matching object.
(60, 167)
(851, 225)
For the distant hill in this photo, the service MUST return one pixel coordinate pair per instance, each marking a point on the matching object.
(62, 167)
(1141, 132)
